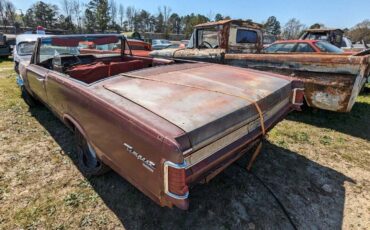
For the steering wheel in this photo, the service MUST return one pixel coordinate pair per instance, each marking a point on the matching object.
(205, 43)
(77, 62)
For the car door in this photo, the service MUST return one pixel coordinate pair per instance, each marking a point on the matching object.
(204, 45)
(36, 76)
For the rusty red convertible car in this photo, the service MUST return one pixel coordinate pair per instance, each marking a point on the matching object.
(163, 125)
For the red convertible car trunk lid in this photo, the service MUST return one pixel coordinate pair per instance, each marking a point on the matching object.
(204, 105)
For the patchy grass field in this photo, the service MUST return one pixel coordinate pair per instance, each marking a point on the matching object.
(6, 67)
(316, 163)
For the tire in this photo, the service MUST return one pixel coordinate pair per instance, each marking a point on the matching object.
(30, 101)
(88, 162)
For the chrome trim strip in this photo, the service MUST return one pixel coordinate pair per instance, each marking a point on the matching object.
(228, 139)
(165, 177)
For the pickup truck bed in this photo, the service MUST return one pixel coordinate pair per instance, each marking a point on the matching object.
(332, 82)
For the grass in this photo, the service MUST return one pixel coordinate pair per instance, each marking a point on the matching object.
(41, 188)
(6, 69)
(347, 135)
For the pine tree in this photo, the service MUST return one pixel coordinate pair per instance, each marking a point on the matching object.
(272, 26)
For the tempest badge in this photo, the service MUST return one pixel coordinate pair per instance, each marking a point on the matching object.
(150, 165)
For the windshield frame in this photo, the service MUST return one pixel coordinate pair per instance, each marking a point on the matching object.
(122, 39)
(25, 54)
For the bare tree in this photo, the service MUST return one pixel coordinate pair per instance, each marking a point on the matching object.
(113, 11)
(7, 13)
(121, 13)
(76, 11)
(2, 13)
(166, 12)
(10, 12)
(292, 29)
(211, 15)
(67, 7)
(130, 14)
(360, 32)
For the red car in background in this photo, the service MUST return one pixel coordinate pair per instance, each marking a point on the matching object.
(302, 46)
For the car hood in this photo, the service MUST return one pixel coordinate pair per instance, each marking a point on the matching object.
(201, 98)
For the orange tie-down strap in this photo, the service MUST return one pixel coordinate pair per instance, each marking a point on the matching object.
(258, 149)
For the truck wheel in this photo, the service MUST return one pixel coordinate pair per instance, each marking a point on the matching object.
(30, 101)
(88, 161)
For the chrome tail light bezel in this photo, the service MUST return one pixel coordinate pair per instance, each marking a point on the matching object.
(166, 177)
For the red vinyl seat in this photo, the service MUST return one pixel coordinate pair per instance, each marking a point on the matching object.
(89, 73)
(97, 71)
(122, 67)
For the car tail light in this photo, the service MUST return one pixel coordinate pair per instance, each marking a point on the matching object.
(298, 96)
(175, 180)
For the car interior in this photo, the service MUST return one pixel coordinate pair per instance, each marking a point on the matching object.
(91, 68)
(88, 65)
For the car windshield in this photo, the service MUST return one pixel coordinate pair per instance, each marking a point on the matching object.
(280, 48)
(327, 47)
(76, 45)
(208, 37)
(25, 48)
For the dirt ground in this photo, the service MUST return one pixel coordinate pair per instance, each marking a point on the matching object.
(316, 163)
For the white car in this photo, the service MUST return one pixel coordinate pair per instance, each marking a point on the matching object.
(23, 49)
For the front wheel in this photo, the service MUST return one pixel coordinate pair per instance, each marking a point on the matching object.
(88, 161)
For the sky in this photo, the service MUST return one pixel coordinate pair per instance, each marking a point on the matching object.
(332, 13)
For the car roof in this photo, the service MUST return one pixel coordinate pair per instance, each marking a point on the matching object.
(234, 21)
(296, 41)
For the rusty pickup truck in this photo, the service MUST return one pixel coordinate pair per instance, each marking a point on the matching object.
(163, 125)
(332, 81)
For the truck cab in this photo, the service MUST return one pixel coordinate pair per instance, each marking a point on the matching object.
(333, 36)
(211, 41)
(239, 43)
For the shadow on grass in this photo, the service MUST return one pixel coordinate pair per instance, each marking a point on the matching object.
(313, 194)
(356, 123)
(5, 59)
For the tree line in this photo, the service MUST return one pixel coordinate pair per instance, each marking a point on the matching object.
(74, 16)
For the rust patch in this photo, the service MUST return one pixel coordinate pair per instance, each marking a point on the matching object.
(332, 82)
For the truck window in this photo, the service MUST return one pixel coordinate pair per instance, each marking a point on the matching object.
(208, 37)
(191, 41)
(246, 36)
(317, 37)
(304, 48)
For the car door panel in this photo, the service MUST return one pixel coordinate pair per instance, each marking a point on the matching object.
(36, 76)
